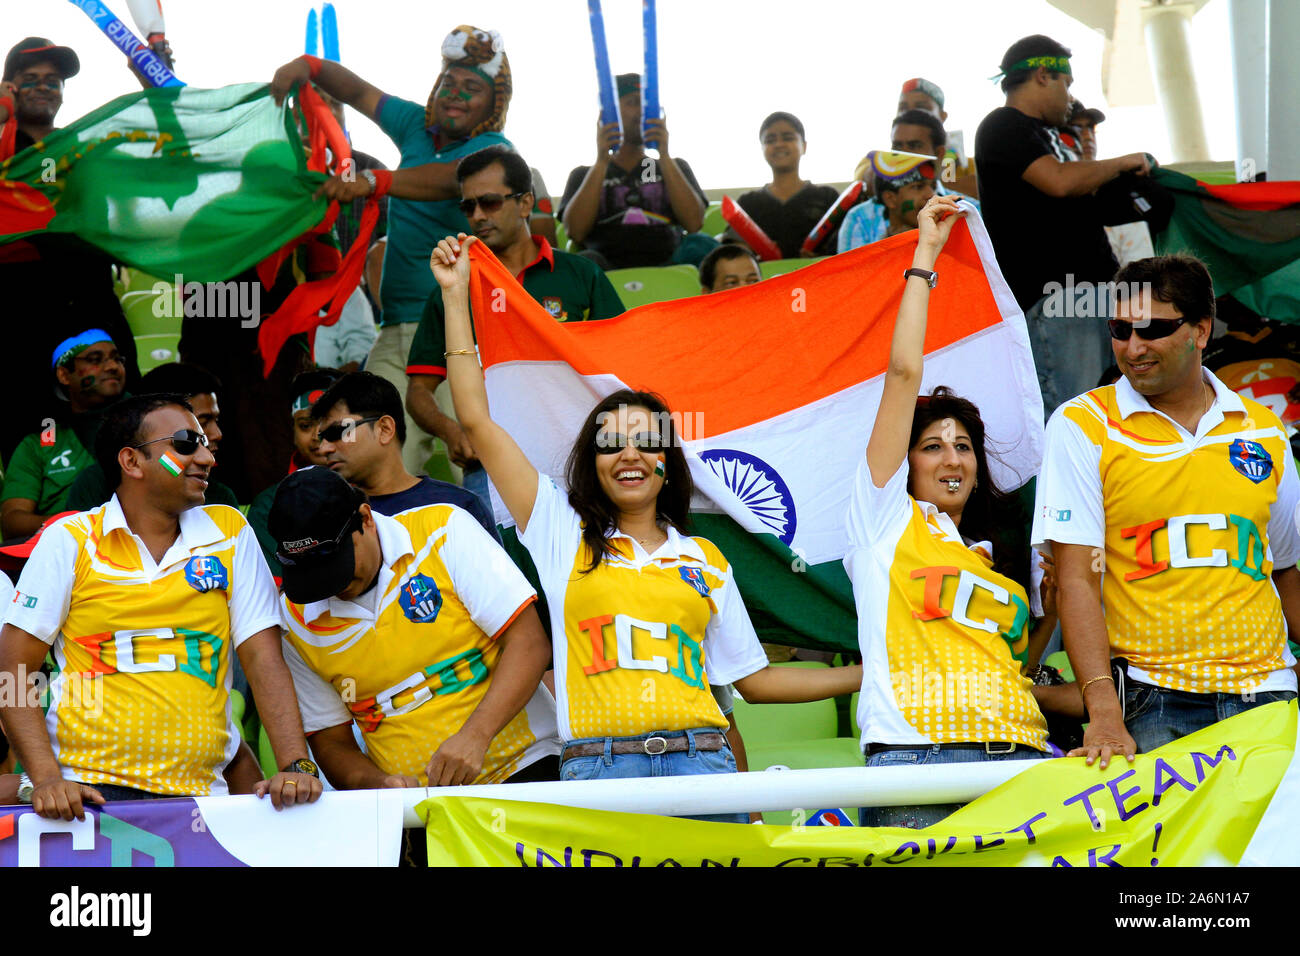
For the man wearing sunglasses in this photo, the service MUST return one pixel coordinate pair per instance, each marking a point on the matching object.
(1184, 493)
(87, 369)
(143, 600)
(496, 187)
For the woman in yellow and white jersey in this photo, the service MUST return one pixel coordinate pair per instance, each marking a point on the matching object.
(643, 617)
(943, 630)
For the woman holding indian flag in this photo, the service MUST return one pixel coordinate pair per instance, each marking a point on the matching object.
(944, 627)
(644, 618)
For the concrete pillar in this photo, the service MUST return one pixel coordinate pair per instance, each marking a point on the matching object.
(1168, 27)
(1248, 26)
(1283, 90)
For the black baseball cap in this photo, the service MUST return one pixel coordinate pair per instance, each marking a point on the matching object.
(1077, 110)
(312, 518)
(35, 49)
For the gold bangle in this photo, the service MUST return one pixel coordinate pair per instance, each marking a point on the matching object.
(1094, 680)
(460, 352)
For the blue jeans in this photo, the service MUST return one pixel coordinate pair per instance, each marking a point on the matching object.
(475, 479)
(612, 766)
(920, 817)
(1156, 715)
(1070, 342)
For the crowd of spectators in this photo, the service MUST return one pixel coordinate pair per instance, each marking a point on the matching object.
(379, 625)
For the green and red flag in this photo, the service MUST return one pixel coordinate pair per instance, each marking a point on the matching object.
(201, 183)
(1247, 234)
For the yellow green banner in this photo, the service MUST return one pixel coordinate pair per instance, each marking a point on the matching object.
(1193, 802)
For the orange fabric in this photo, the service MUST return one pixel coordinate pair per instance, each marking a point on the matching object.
(1265, 196)
(674, 347)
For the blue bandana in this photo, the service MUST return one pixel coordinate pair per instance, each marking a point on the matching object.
(69, 349)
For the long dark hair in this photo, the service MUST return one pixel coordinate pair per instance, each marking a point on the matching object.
(599, 516)
(990, 514)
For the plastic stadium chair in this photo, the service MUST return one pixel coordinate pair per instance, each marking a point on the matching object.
(641, 286)
(1061, 661)
(803, 755)
(237, 709)
(714, 225)
(561, 236)
(853, 715)
(764, 725)
(157, 337)
(437, 466)
(779, 267)
(265, 755)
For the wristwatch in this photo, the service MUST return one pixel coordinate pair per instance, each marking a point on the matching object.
(369, 176)
(931, 277)
(302, 765)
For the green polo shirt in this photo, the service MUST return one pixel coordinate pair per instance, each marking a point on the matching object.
(571, 288)
(43, 471)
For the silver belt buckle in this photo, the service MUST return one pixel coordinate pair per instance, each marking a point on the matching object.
(1003, 747)
(663, 746)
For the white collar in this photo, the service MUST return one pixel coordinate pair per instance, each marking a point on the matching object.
(949, 529)
(196, 528)
(677, 546)
(1129, 400)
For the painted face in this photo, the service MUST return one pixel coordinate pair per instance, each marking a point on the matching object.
(908, 200)
(209, 414)
(916, 100)
(911, 138)
(630, 477)
(730, 273)
(942, 466)
(95, 377)
(783, 146)
(1156, 366)
(305, 440)
(462, 101)
(356, 453)
(505, 226)
(173, 493)
(40, 92)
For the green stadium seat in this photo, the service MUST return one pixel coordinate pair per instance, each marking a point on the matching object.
(764, 725)
(266, 755)
(237, 709)
(779, 267)
(157, 337)
(853, 715)
(714, 225)
(561, 235)
(438, 465)
(642, 286)
(803, 755)
(1061, 661)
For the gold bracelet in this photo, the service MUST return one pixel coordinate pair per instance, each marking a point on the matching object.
(460, 352)
(1093, 681)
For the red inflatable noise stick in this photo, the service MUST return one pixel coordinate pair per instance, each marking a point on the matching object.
(748, 230)
(834, 216)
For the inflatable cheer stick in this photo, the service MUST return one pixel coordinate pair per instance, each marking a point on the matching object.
(604, 74)
(329, 33)
(749, 231)
(153, 69)
(310, 46)
(834, 216)
(650, 79)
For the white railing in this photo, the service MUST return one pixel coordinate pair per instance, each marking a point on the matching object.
(762, 791)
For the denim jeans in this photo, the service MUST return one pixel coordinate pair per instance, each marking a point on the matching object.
(475, 480)
(920, 817)
(1156, 715)
(1070, 343)
(612, 766)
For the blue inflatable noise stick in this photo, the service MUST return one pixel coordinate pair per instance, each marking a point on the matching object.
(153, 69)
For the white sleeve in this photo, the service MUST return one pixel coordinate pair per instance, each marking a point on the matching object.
(1036, 575)
(874, 512)
(254, 601)
(1068, 504)
(487, 582)
(6, 591)
(318, 701)
(1283, 535)
(552, 528)
(40, 604)
(731, 648)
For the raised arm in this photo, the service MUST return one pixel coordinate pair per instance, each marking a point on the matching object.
(887, 449)
(510, 470)
(338, 81)
(1049, 175)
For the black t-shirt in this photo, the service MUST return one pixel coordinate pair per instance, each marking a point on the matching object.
(634, 224)
(431, 491)
(1038, 239)
(788, 223)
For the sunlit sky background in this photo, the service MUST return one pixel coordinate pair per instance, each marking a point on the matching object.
(724, 64)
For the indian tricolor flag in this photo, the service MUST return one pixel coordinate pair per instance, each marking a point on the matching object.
(776, 385)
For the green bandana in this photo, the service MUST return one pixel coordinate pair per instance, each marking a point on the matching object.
(1056, 64)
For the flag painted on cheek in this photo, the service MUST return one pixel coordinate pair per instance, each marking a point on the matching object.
(171, 464)
(659, 466)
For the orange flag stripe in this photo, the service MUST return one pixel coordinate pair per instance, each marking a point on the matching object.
(749, 354)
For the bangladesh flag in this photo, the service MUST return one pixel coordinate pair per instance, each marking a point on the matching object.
(776, 387)
(204, 184)
(1247, 234)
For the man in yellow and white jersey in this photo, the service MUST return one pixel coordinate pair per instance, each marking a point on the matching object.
(420, 629)
(141, 602)
(1183, 493)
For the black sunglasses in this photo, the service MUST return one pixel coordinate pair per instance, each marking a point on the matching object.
(323, 550)
(186, 441)
(1149, 330)
(608, 444)
(332, 433)
(491, 202)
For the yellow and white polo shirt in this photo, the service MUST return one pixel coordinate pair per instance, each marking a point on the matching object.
(637, 641)
(142, 697)
(1191, 527)
(412, 658)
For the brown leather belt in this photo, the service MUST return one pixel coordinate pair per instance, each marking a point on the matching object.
(652, 746)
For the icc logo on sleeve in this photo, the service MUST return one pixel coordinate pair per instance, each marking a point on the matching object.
(1251, 459)
(206, 573)
(420, 599)
(695, 578)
